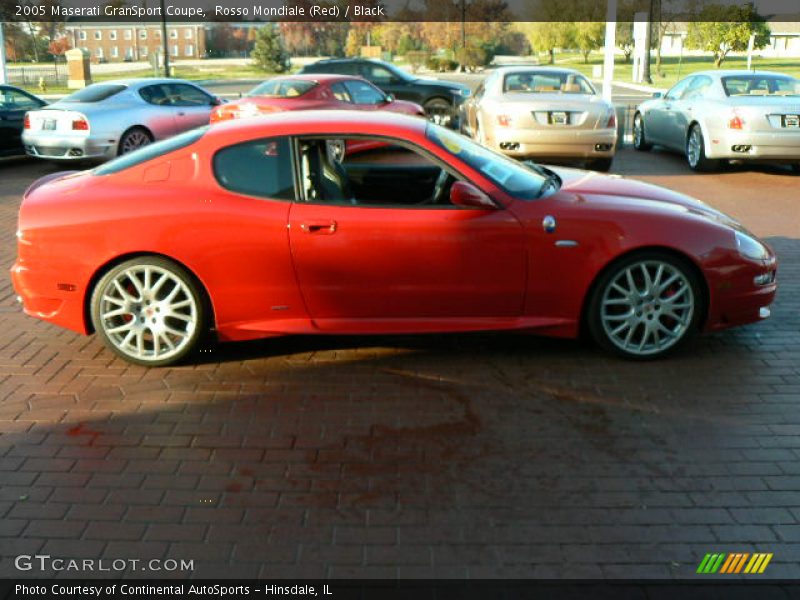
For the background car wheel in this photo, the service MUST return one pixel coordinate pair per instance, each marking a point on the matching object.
(639, 140)
(696, 151)
(646, 305)
(149, 311)
(439, 111)
(133, 139)
(600, 164)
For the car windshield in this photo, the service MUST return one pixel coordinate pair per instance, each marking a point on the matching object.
(760, 85)
(511, 176)
(151, 151)
(282, 88)
(95, 93)
(548, 82)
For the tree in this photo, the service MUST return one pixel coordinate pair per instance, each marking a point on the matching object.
(58, 46)
(269, 53)
(589, 35)
(355, 40)
(723, 29)
(547, 36)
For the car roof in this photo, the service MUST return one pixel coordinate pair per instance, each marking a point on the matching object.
(719, 73)
(308, 122)
(318, 77)
(536, 69)
(136, 82)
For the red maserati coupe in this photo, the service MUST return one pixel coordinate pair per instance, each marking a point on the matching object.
(274, 226)
(313, 92)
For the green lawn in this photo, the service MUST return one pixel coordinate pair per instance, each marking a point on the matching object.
(673, 68)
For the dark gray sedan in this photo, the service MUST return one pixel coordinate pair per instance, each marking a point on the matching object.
(110, 118)
(712, 116)
(14, 103)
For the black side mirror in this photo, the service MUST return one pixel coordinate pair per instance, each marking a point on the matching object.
(389, 98)
(658, 94)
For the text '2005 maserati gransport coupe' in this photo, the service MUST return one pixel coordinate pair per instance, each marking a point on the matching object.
(337, 222)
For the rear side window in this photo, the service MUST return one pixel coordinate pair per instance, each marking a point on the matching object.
(282, 88)
(151, 151)
(95, 93)
(261, 168)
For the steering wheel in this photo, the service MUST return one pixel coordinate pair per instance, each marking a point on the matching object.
(439, 188)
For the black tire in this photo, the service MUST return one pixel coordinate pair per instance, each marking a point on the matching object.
(639, 140)
(133, 139)
(645, 312)
(698, 162)
(600, 164)
(439, 111)
(171, 337)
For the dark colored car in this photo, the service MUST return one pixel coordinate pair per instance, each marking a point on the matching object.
(14, 103)
(440, 99)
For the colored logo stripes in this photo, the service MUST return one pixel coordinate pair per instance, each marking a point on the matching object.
(734, 562)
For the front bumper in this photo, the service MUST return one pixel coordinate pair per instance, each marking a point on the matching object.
(587, 143)
(780, 145)
(737, 298)
(68, 147)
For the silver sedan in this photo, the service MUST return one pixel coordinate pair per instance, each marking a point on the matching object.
(712, 116)
(111, 118)
(543, 112)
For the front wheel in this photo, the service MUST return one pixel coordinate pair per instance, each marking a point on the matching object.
(645, 306)
(149, 311)
(696, 152)
(439, 111)
(639, 140)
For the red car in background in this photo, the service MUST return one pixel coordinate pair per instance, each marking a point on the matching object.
(259, 227)
(314, 92)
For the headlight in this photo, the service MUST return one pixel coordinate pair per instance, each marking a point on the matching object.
(463, 92)
(750, 247)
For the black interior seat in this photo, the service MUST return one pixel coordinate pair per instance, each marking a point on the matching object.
(329, 179)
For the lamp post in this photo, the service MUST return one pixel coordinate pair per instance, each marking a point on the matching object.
(164, 43)
(3, 74)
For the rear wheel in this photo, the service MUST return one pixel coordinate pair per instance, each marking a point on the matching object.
(600, 164)
(149, 311)
(645, 306)
(696, 151)
(133, 139)
(639, 141)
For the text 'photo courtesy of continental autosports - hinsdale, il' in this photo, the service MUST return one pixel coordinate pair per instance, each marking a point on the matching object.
(462, 290)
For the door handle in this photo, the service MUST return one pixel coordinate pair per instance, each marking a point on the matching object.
(319, 227)
(181, 113)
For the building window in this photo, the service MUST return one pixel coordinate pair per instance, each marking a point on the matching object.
(82, 35)
(142, 34)
(114, 52)
(158, 34)
(173, 34)
(187, 33)
(143, 51)
(98, 35)
(99, 52)
(112, 35)
(128, 35)
(175, 50)
(189, 50)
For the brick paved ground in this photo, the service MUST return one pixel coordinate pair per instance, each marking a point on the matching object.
(447, 456)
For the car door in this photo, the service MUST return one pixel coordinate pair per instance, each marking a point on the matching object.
(13, 106)
(361, 261)
(684, 110)
(160, 116)
(364, 96)
(193, 105)
(390, 83)
(660, 119)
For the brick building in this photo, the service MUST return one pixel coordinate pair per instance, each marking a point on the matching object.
(126, 42)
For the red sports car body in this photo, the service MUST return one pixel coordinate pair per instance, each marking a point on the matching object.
(257, 228)
(313, 92)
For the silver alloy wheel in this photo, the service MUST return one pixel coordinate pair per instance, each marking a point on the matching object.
(148, 313)
(647, 307)
(134, 139)
(693, 147)
(637, 130)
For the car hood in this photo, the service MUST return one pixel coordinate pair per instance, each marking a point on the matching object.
(439, 84)
(591, 186)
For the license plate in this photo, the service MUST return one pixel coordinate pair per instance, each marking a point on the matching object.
(49, 125)
(791, 121)
(558, 118)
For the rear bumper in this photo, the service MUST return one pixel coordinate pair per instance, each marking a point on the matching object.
(42, 296)
(593, 143)
(779, 146)
(68, 147)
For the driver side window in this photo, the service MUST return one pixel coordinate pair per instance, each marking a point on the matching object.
(371, 172)
(677, 92)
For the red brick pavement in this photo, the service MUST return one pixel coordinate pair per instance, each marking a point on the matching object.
(434, 456)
